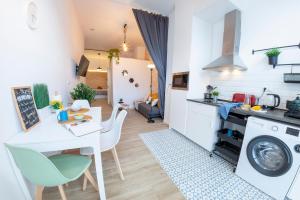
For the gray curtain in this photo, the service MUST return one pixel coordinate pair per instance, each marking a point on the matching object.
(154, 30)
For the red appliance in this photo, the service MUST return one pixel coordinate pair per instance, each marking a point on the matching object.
(240, 98)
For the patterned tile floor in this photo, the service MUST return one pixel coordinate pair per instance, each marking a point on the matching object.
(198, 176)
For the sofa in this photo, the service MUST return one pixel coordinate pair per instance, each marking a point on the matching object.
(147, 110)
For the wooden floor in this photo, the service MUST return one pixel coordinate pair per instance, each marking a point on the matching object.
(144, 179)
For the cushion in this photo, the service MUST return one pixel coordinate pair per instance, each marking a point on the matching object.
(154, 102)
(154, 96)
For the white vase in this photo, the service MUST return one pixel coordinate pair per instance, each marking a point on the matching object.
(57, 112)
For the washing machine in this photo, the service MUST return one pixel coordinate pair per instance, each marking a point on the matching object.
(270, 156)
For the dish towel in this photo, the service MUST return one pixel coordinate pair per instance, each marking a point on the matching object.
(224, 109)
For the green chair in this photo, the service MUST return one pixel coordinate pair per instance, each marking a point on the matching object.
(53, 171)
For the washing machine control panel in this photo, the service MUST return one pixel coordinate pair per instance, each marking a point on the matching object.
(292, 131)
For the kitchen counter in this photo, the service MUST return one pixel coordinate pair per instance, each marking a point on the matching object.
(275, 115)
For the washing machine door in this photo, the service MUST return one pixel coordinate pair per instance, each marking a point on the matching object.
(269, 155)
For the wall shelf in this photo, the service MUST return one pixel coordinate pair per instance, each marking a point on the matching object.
(281, 47)
(290, 64)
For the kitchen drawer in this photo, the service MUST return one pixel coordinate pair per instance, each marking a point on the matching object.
(198, 108)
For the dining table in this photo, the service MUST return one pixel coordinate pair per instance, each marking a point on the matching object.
(50, 136)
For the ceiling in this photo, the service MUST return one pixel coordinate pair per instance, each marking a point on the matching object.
(214, 10)
(102, 21)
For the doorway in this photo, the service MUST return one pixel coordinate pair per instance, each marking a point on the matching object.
(98, 73)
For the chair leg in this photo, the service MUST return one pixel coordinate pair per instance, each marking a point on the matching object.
(85, 179)
(88, 176)
(84, 183)
(39, 192)
(118, 163)
(62, 192)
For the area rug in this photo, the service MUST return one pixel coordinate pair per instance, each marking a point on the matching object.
(196, 175)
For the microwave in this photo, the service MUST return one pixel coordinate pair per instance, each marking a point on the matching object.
(180, 81)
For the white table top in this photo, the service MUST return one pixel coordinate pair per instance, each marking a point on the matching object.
(49, 130)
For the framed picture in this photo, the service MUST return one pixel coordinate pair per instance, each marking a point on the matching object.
(25, 107)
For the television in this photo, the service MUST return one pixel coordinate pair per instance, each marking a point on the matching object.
(82, 68)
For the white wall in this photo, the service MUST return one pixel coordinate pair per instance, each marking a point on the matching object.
(200, 55)
(263, 26)
(45, 55)
(122, 88)
(182, 36)
(181, 61)
(191, 49)
(140, 53)
(97, 60)
(169, 66)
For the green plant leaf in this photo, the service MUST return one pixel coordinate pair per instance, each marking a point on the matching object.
(215, 93)
(114, 53)
(273, 52)
(41, 95)
(83, 91)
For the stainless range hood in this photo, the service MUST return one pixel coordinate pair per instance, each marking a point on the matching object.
(230, 59)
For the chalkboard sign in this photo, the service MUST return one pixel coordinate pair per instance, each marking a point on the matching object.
(25, 107)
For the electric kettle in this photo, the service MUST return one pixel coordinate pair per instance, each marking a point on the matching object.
(270, 101)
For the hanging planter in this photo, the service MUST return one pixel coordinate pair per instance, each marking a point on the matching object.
(273, 56)
(114, 53)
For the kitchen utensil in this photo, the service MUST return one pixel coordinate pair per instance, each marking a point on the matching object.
(62, 116)
(207, 96)
(240, 98)
(209, 90)
(294, 106)
(270, 101)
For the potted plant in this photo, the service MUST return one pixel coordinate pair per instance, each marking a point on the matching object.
(56, 106)
(83, 91)
(41, 95)
(273, 56)
(215, 95)
(114, 53)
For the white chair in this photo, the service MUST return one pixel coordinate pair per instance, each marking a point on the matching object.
(82, 104)
(108, 141)
(107, 125)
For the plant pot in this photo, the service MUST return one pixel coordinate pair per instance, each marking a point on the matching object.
(215, 99)
(273, 60)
